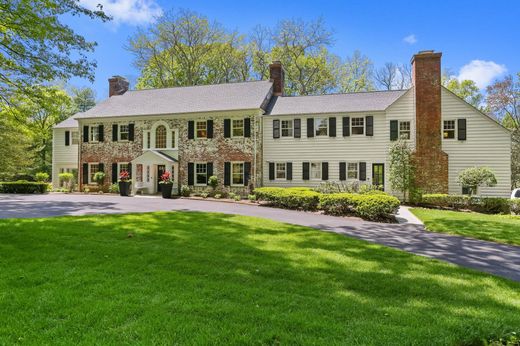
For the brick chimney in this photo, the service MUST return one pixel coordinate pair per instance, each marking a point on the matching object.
(117, 85)
(431, 162)
(277, 76)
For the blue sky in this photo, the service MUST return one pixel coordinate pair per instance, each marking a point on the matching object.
(479, 39)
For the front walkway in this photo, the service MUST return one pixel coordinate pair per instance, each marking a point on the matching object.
(497, 259)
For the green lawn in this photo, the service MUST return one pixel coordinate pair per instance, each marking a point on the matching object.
(200, 278)
(499, 228)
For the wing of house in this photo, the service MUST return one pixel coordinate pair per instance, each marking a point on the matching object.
(249, 134)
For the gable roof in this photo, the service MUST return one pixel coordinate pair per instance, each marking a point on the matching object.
(192, 99)
(335, 103)
(70, 122)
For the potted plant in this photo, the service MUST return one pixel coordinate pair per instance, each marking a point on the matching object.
(124, 183)
(99, 178)
(166, 184)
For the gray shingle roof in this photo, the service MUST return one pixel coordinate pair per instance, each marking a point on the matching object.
(336, 103)
(68, 123)
(202, 98)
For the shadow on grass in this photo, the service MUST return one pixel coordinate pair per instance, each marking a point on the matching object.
(188, 277)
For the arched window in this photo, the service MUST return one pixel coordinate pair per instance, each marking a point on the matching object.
(160, 137)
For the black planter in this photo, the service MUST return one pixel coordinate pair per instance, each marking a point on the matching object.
(124, 188)
(166, 190)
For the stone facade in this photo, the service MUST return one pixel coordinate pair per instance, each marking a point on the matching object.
(431, 162)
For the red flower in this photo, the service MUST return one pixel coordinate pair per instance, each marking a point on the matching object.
(124, 176)
(166, 178)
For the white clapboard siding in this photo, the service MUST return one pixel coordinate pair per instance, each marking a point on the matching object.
(487, 144)
(63, 156)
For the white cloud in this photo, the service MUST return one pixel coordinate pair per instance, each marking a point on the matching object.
(133, 12)
(481, 72)
(410, 39)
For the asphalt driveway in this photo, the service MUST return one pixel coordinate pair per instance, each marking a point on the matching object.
(497, 259)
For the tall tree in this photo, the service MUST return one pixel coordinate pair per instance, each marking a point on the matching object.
(465, 89)
(393, 77)
(357, 74)
(83, 98)
(36, 47)
(15, 153)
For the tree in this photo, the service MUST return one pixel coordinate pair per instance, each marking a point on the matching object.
(402, 170)
(83, 98)
(15, 153)
(36, 47)
(393, 77)
(357, 74)
(465, 89)
(474, 177)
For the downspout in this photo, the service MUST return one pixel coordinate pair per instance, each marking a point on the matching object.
(255, 152)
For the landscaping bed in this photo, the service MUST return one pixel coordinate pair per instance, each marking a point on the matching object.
(206, 278)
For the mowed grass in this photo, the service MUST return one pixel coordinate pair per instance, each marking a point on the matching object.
(202, 278)
(498, 228)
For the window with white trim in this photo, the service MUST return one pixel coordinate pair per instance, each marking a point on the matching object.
(123, 132)
(160, 137)
(358, 126)
(201, 128)
(449, 129)
(94, 134)
(201, 174)
(74, 135)
(315, 170)
(93, 168)
(404, 129)
(287, 128)
(237, 173)
(237, 127)
(321, 126)
(352, 170)
(281, 170)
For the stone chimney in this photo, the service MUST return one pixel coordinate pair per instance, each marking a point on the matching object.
(117, 85)
(431, 162)
(277, 76)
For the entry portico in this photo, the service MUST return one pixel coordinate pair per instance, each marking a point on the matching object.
(149, 167)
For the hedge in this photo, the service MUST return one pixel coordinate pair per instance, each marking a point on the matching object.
(289, 198)
(487, 205)
(23, 187)
(367, 206)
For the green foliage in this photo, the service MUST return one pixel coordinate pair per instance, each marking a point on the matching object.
(515, 206)
(113, 188)
(237, 198)
(218, 196)
(368, 206)
(42, 176)
(354, 186)
(466, 90)
(357, 74)
(232, 195)
(491, 205)
(23, 187)
(290, 198)
(204, 195)
(487, 205)
(185, 191)
(68, 180)
(83, 99)
(37, 48)
(15, 146)
(446, 201)
(474, 177)
(251, 198)
(213, 182)
(99, 177)
(401, 173)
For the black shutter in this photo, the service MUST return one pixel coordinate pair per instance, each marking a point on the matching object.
(324, 171)
(191, 173)
(247, 173)
(346, 126)
(114, 173)
(271, 170)
(310, 127)
(461, 127)
(101, 133)
(209, 128)
(297, 128)
(101, 167)
(306, 173)
(227, 128)
(247, 127)
(130, 169)
(342, 171)
(332, 127)
(191, 130)
(289, 171)
(209, 170)
(276, 128)
(85, 173)
(131, 128)
(227, 173)
(369, 119)
(114, 132)
(85, 134)
(67, 138)
(394, 130)
(362, 171)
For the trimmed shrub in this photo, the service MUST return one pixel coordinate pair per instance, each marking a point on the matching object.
(367, 206)
(486, 205)
(290, 198)
(23, 187)
(185, 191)
(42, 177)
(491, 205)
(113, 188)
(446, 201)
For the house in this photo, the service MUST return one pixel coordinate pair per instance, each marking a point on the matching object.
(249, 134)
